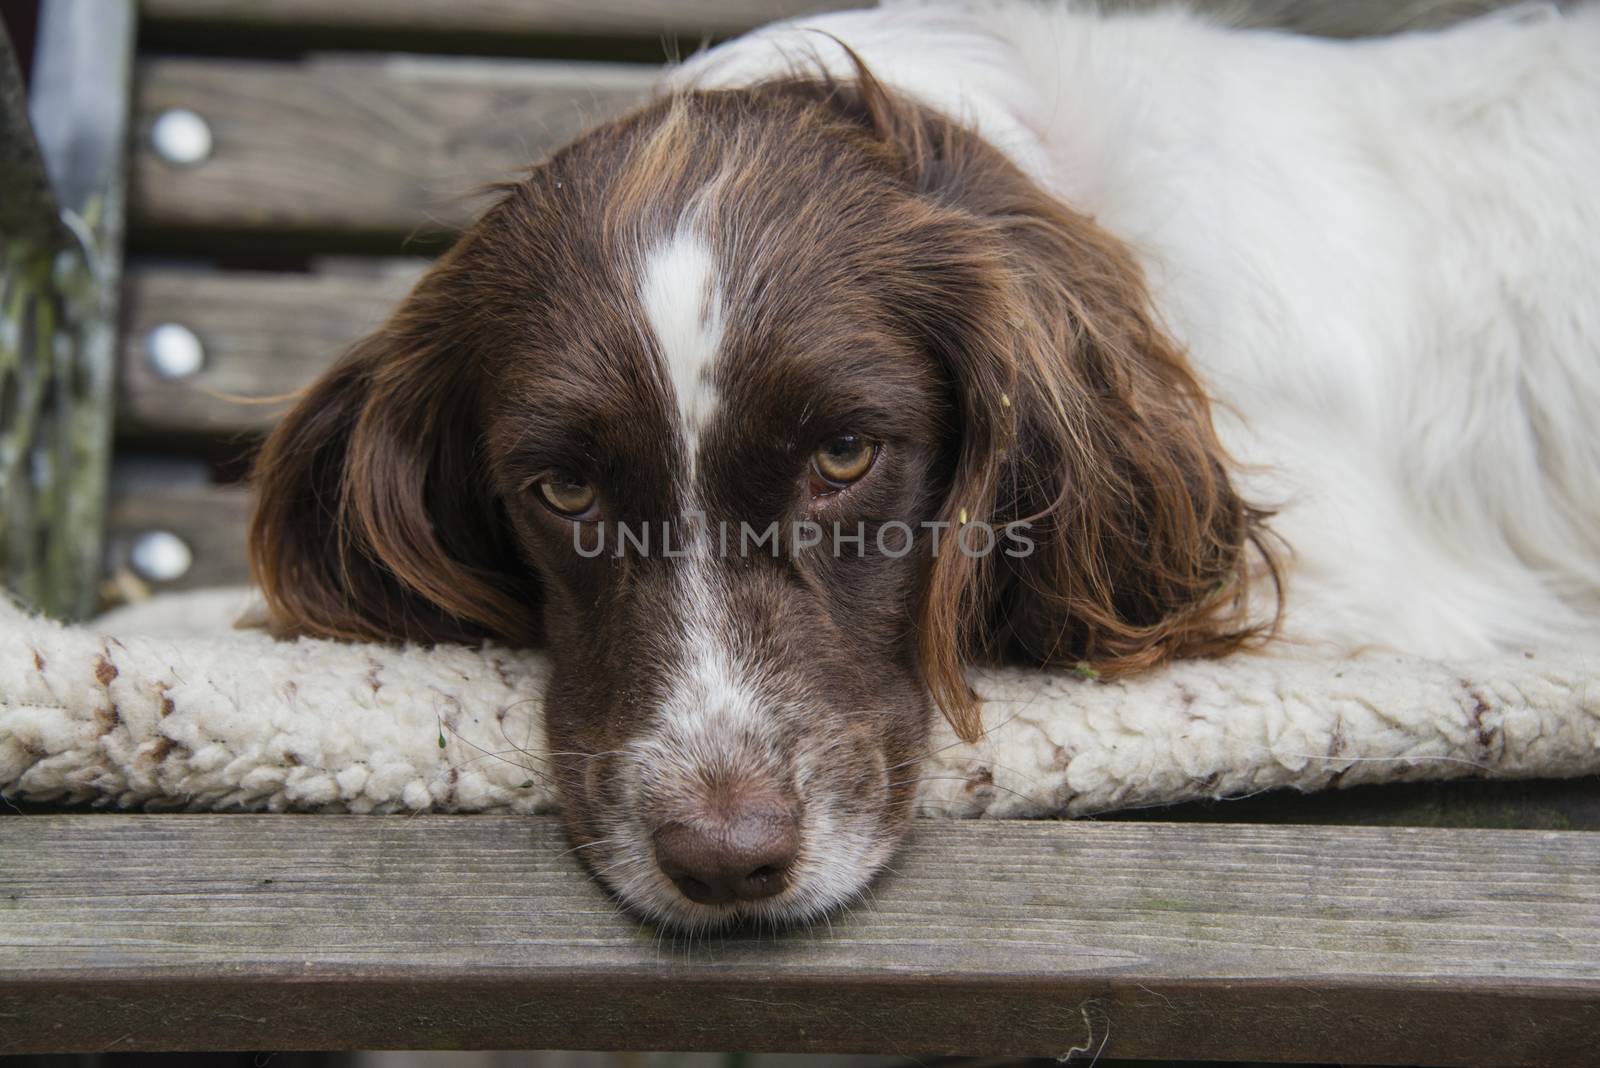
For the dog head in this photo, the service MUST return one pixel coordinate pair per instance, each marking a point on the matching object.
(768, 411)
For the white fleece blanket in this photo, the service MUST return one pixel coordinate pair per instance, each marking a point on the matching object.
(167, 705)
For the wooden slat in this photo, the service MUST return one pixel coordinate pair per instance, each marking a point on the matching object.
(367, 150)
(265, 335)
(347, 149)
(1336, 18)
(211, 521)
(487, 17)
(1122, 940)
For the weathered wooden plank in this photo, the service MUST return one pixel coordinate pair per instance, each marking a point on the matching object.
(1338, 18)
(489, 17)
(379, 149)
(210, 521)
(370, 149)
(261, 335)
(1123, 940)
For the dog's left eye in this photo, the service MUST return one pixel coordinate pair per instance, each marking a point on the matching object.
(844, 460)
(566, 495)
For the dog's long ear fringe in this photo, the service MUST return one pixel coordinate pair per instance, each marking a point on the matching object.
(1079, 417)
(369, 521)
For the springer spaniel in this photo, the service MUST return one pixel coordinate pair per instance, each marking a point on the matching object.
(886, 342)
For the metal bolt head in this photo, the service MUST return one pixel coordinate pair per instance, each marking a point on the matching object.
(181, 137)
(173, 351)
(160, 556)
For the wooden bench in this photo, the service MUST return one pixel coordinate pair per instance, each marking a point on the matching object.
(1357, 945)
(293, 164)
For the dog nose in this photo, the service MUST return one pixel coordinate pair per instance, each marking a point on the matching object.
(744, 855)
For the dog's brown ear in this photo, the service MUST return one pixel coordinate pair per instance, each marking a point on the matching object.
(370, 521)
(1134, 546)
(1080, 420)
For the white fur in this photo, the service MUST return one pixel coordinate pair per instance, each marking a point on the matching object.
(683, 305)
(1383, 257)
(710, 695)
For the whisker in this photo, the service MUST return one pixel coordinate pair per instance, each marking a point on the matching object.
(959, 778)
(615, 839)
(489, 753)
(931, 753)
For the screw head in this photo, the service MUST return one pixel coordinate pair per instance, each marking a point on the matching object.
(174, 351)
(181, 137)
(160, 556)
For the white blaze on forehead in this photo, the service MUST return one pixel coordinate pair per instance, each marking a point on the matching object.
(683, 307)
(681, 299)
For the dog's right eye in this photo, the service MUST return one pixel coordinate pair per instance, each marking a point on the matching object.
(566, 495)
(843, 460)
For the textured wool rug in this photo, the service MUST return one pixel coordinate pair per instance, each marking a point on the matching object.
(169, 705)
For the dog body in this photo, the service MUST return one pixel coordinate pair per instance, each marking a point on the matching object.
(837, 300)
(1381, 257)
